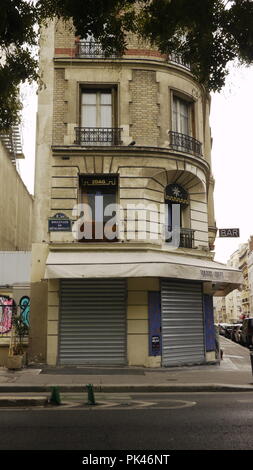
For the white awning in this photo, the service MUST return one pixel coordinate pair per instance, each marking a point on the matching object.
(114, 264)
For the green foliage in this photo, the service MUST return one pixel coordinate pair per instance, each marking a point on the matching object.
(10, 105)
(207, 33)
(18, 37)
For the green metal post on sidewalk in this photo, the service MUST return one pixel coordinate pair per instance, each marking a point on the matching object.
(55, 398)
(91, 397)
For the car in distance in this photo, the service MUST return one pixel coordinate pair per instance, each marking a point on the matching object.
(236, 332)
(247, 332)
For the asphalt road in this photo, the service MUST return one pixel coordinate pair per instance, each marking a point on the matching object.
(193, 421)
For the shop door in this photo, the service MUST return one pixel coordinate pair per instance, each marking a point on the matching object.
(93, 321)
(182, 323)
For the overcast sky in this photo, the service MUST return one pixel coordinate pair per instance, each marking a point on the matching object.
(232, 153)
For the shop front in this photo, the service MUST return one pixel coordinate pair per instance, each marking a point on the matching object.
(92, 327)
(134, 308)
(182, 322)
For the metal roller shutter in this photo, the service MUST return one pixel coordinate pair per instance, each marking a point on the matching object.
(93, 321)
(182, 323)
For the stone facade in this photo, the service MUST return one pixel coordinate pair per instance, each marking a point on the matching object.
(144, 86)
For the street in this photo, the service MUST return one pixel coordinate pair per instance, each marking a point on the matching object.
(182, 421)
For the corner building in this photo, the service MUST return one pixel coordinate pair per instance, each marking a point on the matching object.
(135, 130)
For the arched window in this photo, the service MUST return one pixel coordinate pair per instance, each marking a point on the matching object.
(176, 194)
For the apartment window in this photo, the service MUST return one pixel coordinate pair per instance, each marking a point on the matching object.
(183, 128)
(98, 117)
(98, 209)
(176, 194)
(96, 108)
(182, 116)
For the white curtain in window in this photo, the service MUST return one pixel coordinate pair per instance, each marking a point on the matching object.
(89, 110)
(96, 109)
(105, 109)
(181, 116)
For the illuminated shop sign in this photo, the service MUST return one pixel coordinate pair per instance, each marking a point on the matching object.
(177, 194)
(98, 180)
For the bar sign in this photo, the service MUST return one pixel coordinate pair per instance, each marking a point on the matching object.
(229, 232)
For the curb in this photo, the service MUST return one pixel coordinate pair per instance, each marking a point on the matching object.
(144, 388)
(21, 401)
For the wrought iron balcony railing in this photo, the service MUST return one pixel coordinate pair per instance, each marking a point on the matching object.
(178, 60)
(186, 239)
(92, 49)
(185, 143)
(98, 136)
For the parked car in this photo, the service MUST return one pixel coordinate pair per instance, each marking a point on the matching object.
(236, 332)
(228, 331)
(222, 328)
(247, 332)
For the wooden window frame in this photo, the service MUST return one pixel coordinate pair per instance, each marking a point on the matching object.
(99, 87)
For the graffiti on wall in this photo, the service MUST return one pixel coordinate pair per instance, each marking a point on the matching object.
(24, 305)
(6, 311)
(8, 308)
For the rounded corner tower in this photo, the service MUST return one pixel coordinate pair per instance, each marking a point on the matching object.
(124, 228)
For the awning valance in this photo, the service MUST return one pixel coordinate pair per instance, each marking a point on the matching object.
(124, 263)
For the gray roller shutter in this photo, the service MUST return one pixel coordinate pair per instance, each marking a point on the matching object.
(182, 323)
(93, 321)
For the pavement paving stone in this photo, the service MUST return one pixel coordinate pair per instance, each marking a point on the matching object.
(234, 373)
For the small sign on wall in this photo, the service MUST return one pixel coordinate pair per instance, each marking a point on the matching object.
(229, 232)
(154, 317)
(155, 345)
(59, 223)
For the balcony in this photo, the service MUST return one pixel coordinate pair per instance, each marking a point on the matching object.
(177, 59)
(93, 50)
(186, 237)
(185, 143)
(98, 136)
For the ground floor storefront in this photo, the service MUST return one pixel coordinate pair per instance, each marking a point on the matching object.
(150, 309)
(147, 322)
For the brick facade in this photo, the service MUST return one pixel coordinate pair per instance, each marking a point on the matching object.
(144, 110)
(59, 125)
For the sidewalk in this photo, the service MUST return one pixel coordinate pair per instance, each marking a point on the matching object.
(233, 374)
